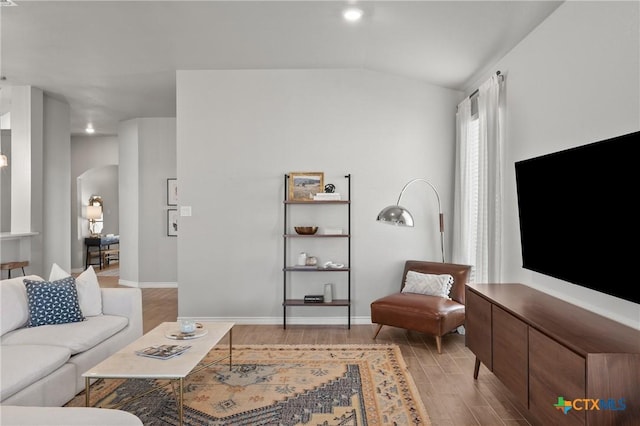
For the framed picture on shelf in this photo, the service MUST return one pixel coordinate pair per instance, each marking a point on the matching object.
(172, 192)
(304, 185)
(172, 222)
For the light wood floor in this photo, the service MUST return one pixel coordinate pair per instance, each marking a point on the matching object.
(445, 381)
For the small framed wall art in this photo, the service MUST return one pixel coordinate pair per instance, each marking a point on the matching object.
(172, 222)
(304, 185)
(172, 192)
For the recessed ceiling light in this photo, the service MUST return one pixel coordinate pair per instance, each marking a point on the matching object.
(90, 128)
(352, 14)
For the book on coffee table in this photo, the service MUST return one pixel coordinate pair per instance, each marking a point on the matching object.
(162, 351)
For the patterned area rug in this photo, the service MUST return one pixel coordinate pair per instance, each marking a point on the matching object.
(288, 385)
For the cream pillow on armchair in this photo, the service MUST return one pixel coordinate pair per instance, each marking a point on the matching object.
(429, 284)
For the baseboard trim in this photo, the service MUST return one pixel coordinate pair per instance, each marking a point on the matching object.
(158, 285)
(128, 283)
(148, 284)
(291, 320)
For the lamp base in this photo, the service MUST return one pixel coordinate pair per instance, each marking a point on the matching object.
(92, 232)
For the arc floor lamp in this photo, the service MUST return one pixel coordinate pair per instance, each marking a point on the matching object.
(400, 216)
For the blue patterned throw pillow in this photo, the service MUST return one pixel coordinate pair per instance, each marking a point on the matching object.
(53, 302)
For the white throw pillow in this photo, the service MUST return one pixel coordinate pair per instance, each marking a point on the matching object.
(429, 284)
(13, 303)
(89, 293)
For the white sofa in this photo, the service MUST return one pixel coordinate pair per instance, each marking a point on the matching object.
(43, 366)
(13, 415)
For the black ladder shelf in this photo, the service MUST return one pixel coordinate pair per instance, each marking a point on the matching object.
(289, 269)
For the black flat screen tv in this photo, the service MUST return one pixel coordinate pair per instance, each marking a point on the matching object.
(578, 217)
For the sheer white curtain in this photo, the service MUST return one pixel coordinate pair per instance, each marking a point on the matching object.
(464, 202)
(477, 222)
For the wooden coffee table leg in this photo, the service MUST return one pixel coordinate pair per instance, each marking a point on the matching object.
(87, 386)
(230, 346)
(181, 406)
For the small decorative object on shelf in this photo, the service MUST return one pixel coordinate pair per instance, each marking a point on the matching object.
(330, 188)
(328, 292)
(302, 185)
(314, 298)
(302, 259)
(332, 265)
(327, 196)
(306, 230)
(332, 231)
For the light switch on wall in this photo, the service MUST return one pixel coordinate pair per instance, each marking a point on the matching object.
(185, 210)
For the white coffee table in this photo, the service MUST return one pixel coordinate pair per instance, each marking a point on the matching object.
(125, 364)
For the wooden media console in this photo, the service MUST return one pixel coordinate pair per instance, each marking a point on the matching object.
(543, 348)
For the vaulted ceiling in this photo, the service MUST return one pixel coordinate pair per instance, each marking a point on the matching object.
(116, 60)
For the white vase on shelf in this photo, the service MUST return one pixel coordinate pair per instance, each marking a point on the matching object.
(328, 293)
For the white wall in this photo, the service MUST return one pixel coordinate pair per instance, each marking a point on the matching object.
(128, 189)
(27, 174)
(239, 132)
(5, 183)
(40, 181)
(572, 81)
(158, 251)
(27, 119)
(88, 153)
(56, 211)
(147, 159)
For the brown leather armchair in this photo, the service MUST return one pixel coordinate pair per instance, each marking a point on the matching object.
(432, 315)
